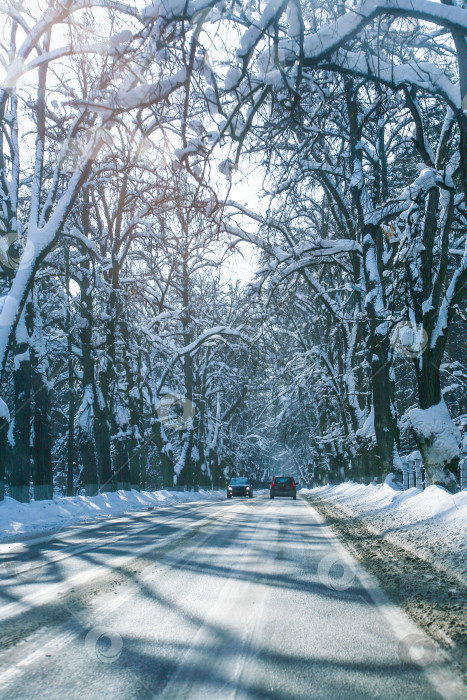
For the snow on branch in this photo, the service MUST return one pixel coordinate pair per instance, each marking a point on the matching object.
(328, 39)
(215, 333)
(427, 179)
(456, 286)
(39, 241)
(319, 247)
(424, 75)
(49, 18)
(143, 95)
(210, 335)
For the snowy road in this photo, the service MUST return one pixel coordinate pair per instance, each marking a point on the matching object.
(231, 599)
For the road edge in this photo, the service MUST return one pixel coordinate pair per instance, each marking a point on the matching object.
(441, 673)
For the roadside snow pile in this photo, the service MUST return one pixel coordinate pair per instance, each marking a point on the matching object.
(39, 516)
(431, 524)
(434, 427)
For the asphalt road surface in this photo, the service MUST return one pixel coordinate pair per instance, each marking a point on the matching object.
(224, 599)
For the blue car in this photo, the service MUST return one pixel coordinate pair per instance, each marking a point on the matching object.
(239, 486)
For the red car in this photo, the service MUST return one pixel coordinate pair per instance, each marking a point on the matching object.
(283, 486)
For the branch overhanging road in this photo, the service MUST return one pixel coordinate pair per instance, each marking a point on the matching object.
(235, 599)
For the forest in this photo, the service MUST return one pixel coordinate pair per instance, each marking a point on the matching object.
(233, 239)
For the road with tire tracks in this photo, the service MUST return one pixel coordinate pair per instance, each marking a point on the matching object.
(242, 598)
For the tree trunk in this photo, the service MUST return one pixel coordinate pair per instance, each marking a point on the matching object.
(86, 412)
(165, 454)
(428, 380)
(437, 438)
(186, 473)
(135, 408)
(21, 453)
(386, 429)
(198, 473)
(105, 418)
(4, 424)
(86, 442)
(143, 449)
(107, 480)
(42, 443)
(70, 444)
(134, 456)
(386, 424)
(365, 461)
(216, 471)
(143, 469)
(88, 459)
(122, 464)
(460, 42)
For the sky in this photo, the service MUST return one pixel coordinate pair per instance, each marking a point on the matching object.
(246, 185)
(247, 190)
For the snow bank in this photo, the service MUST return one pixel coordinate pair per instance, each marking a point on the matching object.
(38, 516)
(434, 427)
(431, 524)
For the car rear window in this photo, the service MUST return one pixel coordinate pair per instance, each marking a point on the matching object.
(239, 482)
(283, 480)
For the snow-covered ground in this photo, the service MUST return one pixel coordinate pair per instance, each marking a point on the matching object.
(40, 516)
(432, 524)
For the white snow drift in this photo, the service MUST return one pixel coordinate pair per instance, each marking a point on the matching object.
(431, 524)
(40, 516)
